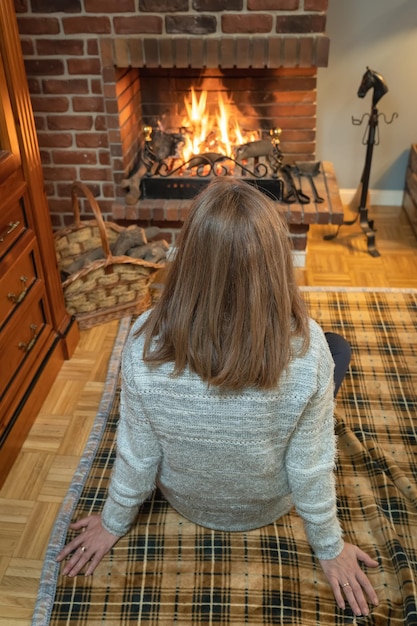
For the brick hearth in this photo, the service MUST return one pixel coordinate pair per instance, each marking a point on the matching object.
(169, 215)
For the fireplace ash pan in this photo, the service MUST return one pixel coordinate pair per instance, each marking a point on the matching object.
(179, 188)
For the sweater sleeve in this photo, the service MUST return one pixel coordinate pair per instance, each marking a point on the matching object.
(310, 464)
(137, 459)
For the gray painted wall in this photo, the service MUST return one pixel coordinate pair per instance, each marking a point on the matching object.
(381, 34)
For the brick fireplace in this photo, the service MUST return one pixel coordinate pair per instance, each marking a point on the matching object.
(88, 61)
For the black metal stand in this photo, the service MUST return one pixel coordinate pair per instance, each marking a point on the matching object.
(375, 80)
(366, 225)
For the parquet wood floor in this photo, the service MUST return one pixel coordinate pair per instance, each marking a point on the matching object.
(31, 495)
(344, 261)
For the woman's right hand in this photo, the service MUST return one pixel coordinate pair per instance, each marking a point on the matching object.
(349, 581)
(88, 548)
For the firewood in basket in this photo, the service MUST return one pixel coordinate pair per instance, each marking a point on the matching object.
(84, 259)
(129, 238)
(151, 232)
(153, 252)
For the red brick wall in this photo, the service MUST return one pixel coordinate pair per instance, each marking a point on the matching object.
(87, 104)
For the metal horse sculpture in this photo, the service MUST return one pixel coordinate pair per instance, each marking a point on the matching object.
(370, 80)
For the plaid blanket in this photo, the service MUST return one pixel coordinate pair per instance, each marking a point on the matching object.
(169, 571)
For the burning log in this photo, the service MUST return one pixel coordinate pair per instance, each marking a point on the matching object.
(164, 145)
(207, 158)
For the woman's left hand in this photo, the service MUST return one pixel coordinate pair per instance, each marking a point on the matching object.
(347, 579)
(88, 548)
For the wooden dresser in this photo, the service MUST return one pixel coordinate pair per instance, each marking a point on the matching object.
(36, 332)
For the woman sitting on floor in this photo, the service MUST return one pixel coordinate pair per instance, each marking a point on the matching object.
(228, 395)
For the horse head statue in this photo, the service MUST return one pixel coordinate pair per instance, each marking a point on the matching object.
(372, 80)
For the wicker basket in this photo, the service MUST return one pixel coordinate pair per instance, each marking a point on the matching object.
(108, 288)
(73, 241)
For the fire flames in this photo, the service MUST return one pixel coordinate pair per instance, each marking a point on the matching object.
(205, 140)
(211, 131)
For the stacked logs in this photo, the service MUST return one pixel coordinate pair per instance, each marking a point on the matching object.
(136, 242)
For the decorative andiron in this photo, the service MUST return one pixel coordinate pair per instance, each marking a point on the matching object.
(370, 80)
(162, 172)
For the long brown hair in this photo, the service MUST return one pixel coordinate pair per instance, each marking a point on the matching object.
(230, 305)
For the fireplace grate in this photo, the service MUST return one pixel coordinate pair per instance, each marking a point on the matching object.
(162, 177)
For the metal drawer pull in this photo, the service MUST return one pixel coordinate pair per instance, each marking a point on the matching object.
(18, 298)
(27, 347)
(12, 226)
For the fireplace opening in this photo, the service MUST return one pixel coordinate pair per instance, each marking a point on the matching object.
(180, 127)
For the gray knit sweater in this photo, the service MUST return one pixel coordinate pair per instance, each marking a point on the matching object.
(228, 461)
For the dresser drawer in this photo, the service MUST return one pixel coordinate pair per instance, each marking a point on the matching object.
(18, 273)
(23, 337)
(12, 225)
